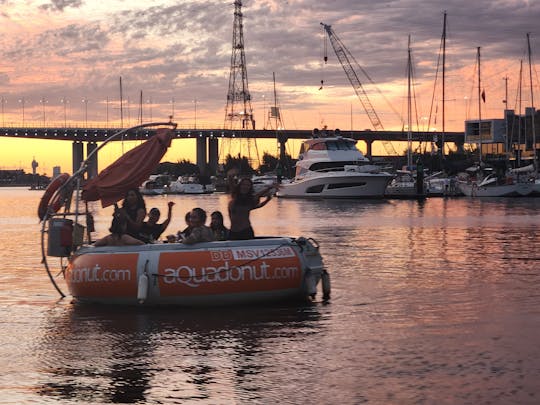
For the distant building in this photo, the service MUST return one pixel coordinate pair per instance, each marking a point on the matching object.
(20, 178)
(8, 177)
(56, 172)
(511, 134)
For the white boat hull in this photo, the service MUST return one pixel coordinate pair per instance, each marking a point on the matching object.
(204, 274)
(471, 189)
(187, 188)
(403, 191)
(337, 185)
(151, 191)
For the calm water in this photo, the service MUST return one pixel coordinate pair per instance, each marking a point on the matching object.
(433, 303)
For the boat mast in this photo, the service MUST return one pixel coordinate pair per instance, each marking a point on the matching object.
(519, 112)
(409, 106)
(533, 116)
(443, 79)
(505, 101)
(479, 109)
(276, 111)
(121, 105)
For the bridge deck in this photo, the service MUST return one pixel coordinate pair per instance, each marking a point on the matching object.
(102, 134)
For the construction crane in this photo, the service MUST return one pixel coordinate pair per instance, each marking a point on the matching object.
(347, 60)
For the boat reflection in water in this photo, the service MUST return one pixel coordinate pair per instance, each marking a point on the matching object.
(99, 354)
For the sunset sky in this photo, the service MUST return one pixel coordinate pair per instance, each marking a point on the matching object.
(62, 60)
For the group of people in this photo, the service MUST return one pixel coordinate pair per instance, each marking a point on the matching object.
(130, 228)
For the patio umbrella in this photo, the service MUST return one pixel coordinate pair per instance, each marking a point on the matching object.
(129, 171)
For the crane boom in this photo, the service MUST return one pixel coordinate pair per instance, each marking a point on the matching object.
(347, 59)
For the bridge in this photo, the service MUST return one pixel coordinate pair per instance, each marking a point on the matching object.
(207, 139)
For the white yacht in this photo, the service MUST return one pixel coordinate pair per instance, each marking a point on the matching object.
(155, 185)
(333, 167)
(188, 185)
(263, 181)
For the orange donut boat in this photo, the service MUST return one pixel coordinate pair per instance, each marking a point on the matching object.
(203, 274)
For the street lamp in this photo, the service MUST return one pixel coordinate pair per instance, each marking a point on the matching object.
(3, 101)
(172, 107)
(149, 102)
(195, 103)
(43, 100)
(264, 111)
(85, 101)
(107, 111)
(64, 101)
(23, 102)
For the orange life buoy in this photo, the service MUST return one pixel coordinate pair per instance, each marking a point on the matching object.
(49, 192)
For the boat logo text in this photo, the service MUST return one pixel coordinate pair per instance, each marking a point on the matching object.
(192, 276)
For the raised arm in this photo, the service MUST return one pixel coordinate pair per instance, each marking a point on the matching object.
(263, 203)
(267, 191)
(169, 216)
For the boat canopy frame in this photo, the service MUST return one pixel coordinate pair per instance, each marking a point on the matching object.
(64, 194)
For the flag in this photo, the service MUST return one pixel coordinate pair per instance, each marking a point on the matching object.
(484, 96)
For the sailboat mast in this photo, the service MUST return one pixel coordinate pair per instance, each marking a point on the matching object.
(532, 102)
(409, 106)
(121, 105)
(519, 112)
(479, 108)
(275, 102)
(443, 82)
(505, 101)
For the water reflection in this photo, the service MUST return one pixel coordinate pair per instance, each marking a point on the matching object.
(131, 355)
(431, 303)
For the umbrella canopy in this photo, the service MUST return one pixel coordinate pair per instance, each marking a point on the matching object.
(129, 171)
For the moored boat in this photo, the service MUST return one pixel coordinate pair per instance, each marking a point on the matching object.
(332, 167)
(188, 185)
(155, 185)
(263, 181)
(203, 274)
(405, 186)
(484, 182)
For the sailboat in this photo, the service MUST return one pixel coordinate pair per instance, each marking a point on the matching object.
(482, 180)
(536, 184)
(407, 184)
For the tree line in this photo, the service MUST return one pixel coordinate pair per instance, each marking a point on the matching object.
(268, 164)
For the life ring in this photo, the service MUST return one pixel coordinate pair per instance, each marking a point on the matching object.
(49, 192)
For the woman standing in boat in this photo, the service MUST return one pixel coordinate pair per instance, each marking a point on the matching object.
(243, 201)
(134, 211)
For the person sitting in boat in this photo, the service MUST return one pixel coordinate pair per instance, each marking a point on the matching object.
(187, 230)
(134, 211)
(173, 238)
(243, 201)
(217, 226)
(118, 235)
(199, 231)
(150, 230)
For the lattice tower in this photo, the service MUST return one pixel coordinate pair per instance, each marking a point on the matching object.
(238, 112)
